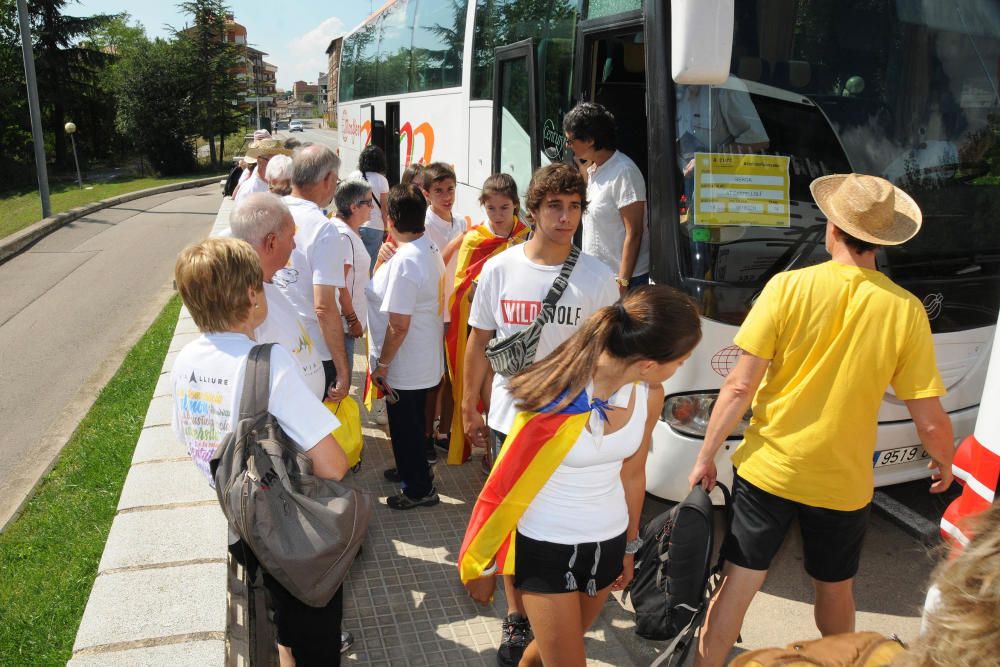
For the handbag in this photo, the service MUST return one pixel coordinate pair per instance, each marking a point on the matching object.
(348, 434)
(304, 530)
(510, 355)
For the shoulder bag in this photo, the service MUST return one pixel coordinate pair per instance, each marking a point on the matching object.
(513, 354)
(304, 530)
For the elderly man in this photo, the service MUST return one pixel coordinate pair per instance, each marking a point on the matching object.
(315, 272)
(261, 151)
(819, 349)
(263, 221)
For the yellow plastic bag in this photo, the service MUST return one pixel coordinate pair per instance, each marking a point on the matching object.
(349, 432)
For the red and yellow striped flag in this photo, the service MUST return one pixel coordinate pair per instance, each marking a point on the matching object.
(371, 392)
(478, 245)
(534, 448)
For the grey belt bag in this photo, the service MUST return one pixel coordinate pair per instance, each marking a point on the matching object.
(304, 530)
(510, 355)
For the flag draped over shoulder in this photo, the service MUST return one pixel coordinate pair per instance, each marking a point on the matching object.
(478, 245)
(534, 448)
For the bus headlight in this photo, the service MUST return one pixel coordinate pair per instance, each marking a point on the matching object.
(689, 414)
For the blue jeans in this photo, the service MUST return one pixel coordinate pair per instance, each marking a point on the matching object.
(638, 281)
(372, 238)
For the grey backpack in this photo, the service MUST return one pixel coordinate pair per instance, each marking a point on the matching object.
(304, 530)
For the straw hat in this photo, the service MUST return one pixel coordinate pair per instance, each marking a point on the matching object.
(266, 148)
(261, 134)
(868, 208)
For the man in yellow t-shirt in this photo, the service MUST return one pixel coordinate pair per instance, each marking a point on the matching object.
(819, 349)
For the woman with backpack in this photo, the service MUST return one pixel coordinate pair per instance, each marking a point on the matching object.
(566, 491)
(222, 284)
(372, 167)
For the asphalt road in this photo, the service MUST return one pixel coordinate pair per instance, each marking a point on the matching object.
(313, 133)
(70, 309)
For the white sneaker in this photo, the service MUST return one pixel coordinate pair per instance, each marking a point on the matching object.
(378, 410)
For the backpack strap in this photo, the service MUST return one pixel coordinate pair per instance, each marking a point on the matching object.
(256, 382)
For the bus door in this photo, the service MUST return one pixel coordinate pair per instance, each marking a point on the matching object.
(611, 62)
(392, 142)
(515, 113)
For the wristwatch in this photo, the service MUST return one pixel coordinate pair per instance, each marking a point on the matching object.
(633, 547)
(622, 282)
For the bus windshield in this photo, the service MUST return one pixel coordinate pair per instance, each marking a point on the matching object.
(903, 89)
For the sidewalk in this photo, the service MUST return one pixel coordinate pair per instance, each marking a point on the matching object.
(404, 601)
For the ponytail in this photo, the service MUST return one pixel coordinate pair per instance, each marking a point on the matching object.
(653, 322)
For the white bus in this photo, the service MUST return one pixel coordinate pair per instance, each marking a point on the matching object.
(906, 89)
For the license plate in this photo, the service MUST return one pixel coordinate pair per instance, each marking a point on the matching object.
(891, 457)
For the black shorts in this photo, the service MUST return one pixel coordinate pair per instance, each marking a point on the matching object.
(544, 567)
(831, 539)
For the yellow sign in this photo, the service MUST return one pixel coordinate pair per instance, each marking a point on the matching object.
(732, 189)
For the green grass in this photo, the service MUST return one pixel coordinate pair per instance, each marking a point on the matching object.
(24, 208)
(49, 555)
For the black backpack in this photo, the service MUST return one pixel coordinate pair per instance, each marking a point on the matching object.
(674, 575)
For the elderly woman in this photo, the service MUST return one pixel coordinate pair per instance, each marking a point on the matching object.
(353, 201)
(222, 285)
(279, 175)
(405, 352)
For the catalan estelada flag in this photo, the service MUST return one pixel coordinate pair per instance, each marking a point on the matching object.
(478, 245)
(534, 448)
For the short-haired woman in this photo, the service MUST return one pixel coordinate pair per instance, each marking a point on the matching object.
(353, 200)
(279, 175)
(578, 449)
(222, 285)
(614, 224)
(372, 167)
(405, 324)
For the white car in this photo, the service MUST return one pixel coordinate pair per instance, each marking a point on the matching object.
(295, 126)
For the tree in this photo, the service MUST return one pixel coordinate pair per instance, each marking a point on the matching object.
(155, 103)
(308, 98)
(217, 87)
(68, 72)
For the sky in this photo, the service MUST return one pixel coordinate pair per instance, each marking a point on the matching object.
(294, 33)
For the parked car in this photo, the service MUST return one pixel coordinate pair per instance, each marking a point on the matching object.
(295, 126)
(281, 125)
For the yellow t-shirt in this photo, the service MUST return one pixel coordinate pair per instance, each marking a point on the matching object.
(837, 337)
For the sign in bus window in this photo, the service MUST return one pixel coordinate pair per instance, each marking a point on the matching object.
(735, 189)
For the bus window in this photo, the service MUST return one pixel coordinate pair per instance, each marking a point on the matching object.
(515, 119)
(438, 43)
(902, 89)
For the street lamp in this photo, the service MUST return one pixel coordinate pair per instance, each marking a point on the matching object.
(71, 130)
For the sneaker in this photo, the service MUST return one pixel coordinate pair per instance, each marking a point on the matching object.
(516, 637)
(378, 412)
(346, 641)
(404, 502)
(392, 475)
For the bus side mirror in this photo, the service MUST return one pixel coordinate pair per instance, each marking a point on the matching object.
(701, 40)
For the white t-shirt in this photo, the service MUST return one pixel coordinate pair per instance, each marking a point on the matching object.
(610, 187)
(207, 381)
(442, 233)
(410, 283)
(253, 184)
(380, 186)
(588, 482)
(357, 256)
(318, 259)
(284, 326)
(509, 295)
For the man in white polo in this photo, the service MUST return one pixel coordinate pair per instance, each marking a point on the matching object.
(315, 271)
(819, 349)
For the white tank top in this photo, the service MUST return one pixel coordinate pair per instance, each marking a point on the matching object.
(584, 500)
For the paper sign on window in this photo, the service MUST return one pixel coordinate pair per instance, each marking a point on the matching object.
(732, 189)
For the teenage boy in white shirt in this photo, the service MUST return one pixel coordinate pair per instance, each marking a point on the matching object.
(509, 295)
(316, 269)
(443, 228)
